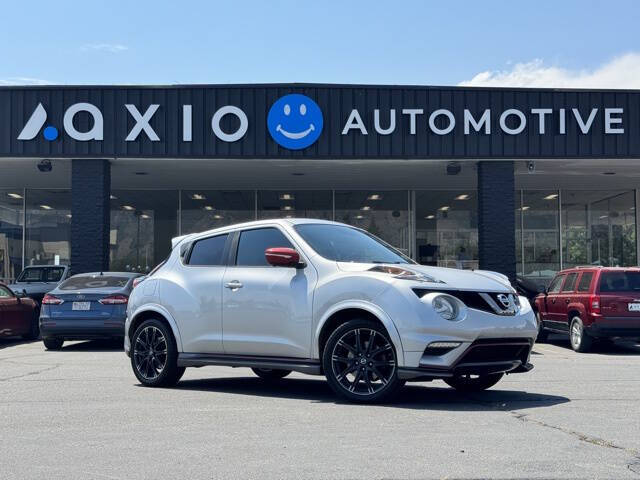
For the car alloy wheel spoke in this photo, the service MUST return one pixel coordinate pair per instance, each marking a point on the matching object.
(150, 352)
(353, 362)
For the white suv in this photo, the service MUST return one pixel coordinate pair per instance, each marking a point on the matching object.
(323, 298)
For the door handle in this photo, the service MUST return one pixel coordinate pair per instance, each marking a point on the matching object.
(233, 285)
(553, 300)
(567, 300)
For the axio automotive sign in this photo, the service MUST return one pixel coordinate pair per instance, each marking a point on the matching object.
(317, 122)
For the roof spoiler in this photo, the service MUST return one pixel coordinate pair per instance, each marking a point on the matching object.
(176, 240)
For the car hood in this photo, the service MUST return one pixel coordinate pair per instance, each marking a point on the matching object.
(451, 278)
(33, 287)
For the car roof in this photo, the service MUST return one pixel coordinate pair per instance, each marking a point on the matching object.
(598, 268)
(256, 223)
(44, 266)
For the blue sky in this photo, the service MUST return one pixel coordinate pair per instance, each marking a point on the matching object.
(410, 42)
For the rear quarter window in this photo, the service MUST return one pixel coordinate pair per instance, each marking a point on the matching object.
(570, 284)
(620, 282)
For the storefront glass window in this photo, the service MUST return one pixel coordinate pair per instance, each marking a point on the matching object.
(382, 213)
(11, 219)
(48, 231)
(142, 225)
(598, 228)
(295, 203)
(539, 254)
(447, 228)
(206, 209)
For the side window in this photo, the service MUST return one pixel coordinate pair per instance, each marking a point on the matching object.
(5, 293)
(208, 251)
(555, 284)
(570, 284)
(253, 243)
(585, 282)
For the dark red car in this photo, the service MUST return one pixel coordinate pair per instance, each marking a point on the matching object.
(590, 303)
(18, 315)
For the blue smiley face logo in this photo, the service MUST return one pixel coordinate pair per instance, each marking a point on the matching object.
(295, 121)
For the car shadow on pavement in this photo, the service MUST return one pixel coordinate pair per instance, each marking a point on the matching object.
(603, 347)
(94, 346)
(14, 341)
(423, 396)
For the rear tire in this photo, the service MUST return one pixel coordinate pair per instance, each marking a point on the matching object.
(580, 340)
(466, 383)
(360, 362)
(154, 355)
(52, 343)
(270, 374)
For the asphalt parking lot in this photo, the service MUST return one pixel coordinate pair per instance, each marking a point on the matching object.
(80, 413)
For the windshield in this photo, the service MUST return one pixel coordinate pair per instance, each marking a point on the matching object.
(620, 282)
(346, 244)
(41, 274)
(94, 281)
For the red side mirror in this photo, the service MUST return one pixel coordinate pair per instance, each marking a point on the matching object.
(282, 257)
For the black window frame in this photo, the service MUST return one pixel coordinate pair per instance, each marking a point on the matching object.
(186, 258)
(233, 251)
(570, 275)
(583, 275)
(562, 277)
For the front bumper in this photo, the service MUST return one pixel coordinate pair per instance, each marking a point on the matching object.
(481, 357)
(82, 329)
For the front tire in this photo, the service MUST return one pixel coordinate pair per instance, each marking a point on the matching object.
(34, 328)
(543, 335)
(52, 343)
(360, 362)
(580, 340)
(270, 374)
(469, 383)
(154, 356)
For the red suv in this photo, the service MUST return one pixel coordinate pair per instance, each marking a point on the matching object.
(590, 303)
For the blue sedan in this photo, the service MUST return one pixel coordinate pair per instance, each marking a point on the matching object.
(86, 306)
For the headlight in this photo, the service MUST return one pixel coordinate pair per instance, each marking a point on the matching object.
(445, 306)
(404, 274)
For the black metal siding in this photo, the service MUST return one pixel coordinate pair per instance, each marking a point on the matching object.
(336, 102)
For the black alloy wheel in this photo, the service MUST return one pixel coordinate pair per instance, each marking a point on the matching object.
(473, 383)
(154, 355)
(270, 374)
(360, 362)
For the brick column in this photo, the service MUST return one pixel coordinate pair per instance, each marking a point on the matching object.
(496, 217)
(90, 220)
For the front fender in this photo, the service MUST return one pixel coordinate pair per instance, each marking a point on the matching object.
(372, 309)
(154, 307)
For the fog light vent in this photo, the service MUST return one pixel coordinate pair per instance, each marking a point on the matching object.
(440, 348)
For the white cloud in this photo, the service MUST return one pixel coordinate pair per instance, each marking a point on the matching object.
(621, 72)
(23, 81)
(105, 47)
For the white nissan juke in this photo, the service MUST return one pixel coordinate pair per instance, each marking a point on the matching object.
(323, 298)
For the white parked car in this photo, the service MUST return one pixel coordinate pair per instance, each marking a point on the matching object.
(323, 298)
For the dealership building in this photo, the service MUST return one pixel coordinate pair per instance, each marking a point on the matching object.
(522, 181)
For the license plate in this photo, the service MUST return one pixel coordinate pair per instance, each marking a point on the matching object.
(634, 307)
(81, 306)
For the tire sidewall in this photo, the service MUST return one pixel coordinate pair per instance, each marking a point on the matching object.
(385, 393)
(585, 343)
(171, 372)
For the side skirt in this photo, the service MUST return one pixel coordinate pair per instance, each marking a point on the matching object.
(309, 367)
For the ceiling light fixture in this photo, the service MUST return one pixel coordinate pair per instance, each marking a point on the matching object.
(366, 208)
(444, 208)
(145, 216)
(430, 217)
(464, 196)
(113, 197)
(286, 196)
(359, 217)
(198, 196)
(128, 207)
(14, 195)
(551, 197)
(46, 207)
(208, 207)
(217, 217)
(287, 207)
(374, 196)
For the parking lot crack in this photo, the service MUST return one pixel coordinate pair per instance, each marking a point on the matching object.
(35, 372)
(633, 466)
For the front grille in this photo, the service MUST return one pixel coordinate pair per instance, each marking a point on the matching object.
(484, 301)
(497, 350)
